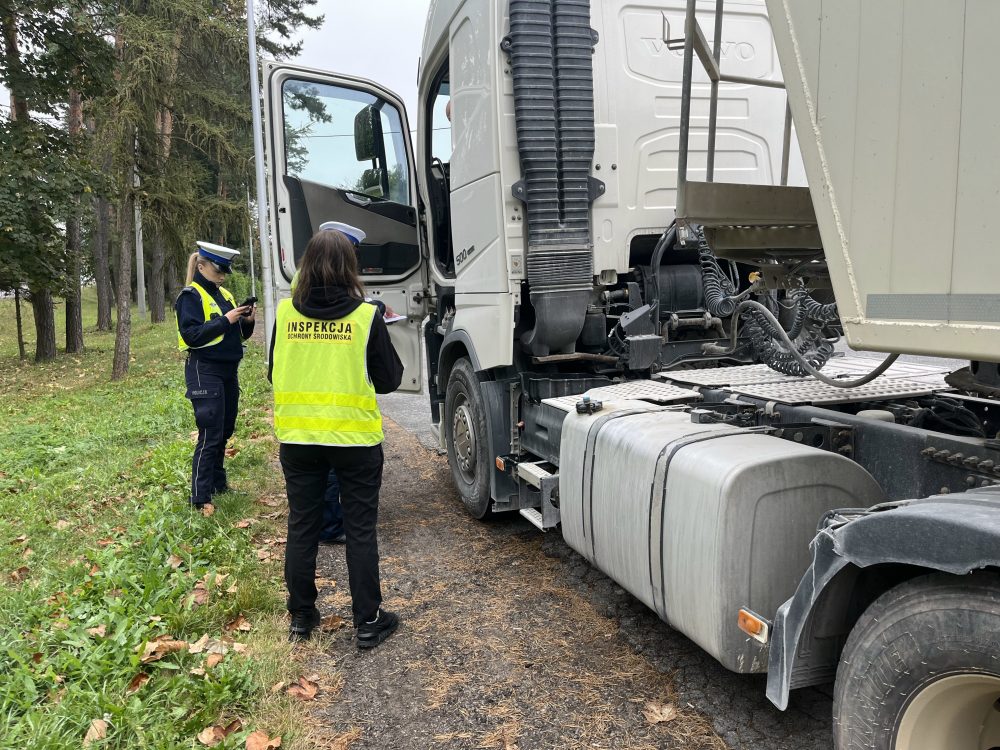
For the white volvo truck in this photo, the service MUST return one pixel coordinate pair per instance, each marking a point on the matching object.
(628, 239)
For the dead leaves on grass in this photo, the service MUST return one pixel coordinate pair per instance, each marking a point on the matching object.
(260, 740)
(304, 688)
(161, 646)
(16, 576)
(240, 623)
(213, 735)
(137, 682)
(98, 730)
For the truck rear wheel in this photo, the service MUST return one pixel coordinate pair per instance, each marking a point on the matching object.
(467, 438)
(921, 668)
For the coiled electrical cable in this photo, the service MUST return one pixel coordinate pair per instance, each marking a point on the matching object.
(792, 349)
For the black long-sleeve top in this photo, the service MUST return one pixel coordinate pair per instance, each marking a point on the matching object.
(332, 303)
(196, 331)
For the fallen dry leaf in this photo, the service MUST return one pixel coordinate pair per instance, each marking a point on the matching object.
(213, 660)
(278, 686)
(230, 452)
(174, 562)
(105, 542)
(137, 682)
(62, 524)
(207, 510)
(98, 731)
(243, 524)
(238, 624)
(160, 647)
(208, 645)
(270, 501)
(20, 574)
(20, 539)
(304, 689)
(240, 648)
(199, 595)
(99, 631)
(658, 713)
(37, 657)
(260, 740)
(28, 552)
(332, 622)
(212, 736)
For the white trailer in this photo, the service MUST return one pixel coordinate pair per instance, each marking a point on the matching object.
(629, 250)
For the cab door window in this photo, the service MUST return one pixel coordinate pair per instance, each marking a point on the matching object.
(345, 139)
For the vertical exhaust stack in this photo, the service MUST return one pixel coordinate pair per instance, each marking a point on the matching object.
(551, 46)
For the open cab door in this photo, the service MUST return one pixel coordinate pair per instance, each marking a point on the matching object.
(339, 150)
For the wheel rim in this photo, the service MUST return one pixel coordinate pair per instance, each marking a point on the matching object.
(959, 712)
(463, 428)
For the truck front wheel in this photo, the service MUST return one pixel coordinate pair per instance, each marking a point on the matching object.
(921, 668)
(467, 438)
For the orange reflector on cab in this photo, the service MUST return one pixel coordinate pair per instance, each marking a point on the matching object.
(500, 464)
(753, 625)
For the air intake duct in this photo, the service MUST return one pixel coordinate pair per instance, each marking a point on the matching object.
(551, 45)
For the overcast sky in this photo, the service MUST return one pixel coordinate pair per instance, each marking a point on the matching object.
(375, 39)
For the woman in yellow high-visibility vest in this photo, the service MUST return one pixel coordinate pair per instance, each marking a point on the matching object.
(330, 355)
(211, 328)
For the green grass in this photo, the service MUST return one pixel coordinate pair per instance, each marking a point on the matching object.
(94, 475)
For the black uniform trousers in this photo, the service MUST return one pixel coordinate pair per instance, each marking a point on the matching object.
(306, 469)
(214, 390)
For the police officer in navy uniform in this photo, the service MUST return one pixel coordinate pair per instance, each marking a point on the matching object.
(211, 328)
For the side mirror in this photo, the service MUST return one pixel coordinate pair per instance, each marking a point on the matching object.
(367, 133)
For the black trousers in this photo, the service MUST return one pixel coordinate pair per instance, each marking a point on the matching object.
(306, 469)
(214, 390)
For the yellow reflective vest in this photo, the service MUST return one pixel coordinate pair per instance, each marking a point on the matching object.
(322, 392)
(210, 308)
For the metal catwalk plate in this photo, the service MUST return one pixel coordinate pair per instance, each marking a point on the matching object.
(723, 376)
(813, 392)
(634, 390)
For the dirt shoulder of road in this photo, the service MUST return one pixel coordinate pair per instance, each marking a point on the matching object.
(510, 640)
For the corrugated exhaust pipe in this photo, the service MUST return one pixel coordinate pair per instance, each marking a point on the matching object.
(551, 46)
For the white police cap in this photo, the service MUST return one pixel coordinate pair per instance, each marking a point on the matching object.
(216, 253)
(355, 235)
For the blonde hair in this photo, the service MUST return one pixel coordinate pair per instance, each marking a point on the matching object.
(193, 262)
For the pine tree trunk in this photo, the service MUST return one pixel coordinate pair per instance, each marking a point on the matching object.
(45, 324)
(74, 302)
(74, 309)
(20, 325)
(156, 284)
(174, 280)
(123, 330)
(102, 270)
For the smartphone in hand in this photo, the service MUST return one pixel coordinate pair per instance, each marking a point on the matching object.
(249, 302)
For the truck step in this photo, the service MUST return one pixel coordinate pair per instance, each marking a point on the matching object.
(534, 517)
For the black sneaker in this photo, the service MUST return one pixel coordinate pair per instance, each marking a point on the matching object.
(302, 625)
(370, 634)
(340, 538)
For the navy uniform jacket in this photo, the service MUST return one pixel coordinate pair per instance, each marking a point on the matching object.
(196, 331)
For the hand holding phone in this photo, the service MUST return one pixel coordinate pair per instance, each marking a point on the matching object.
(248, 303)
